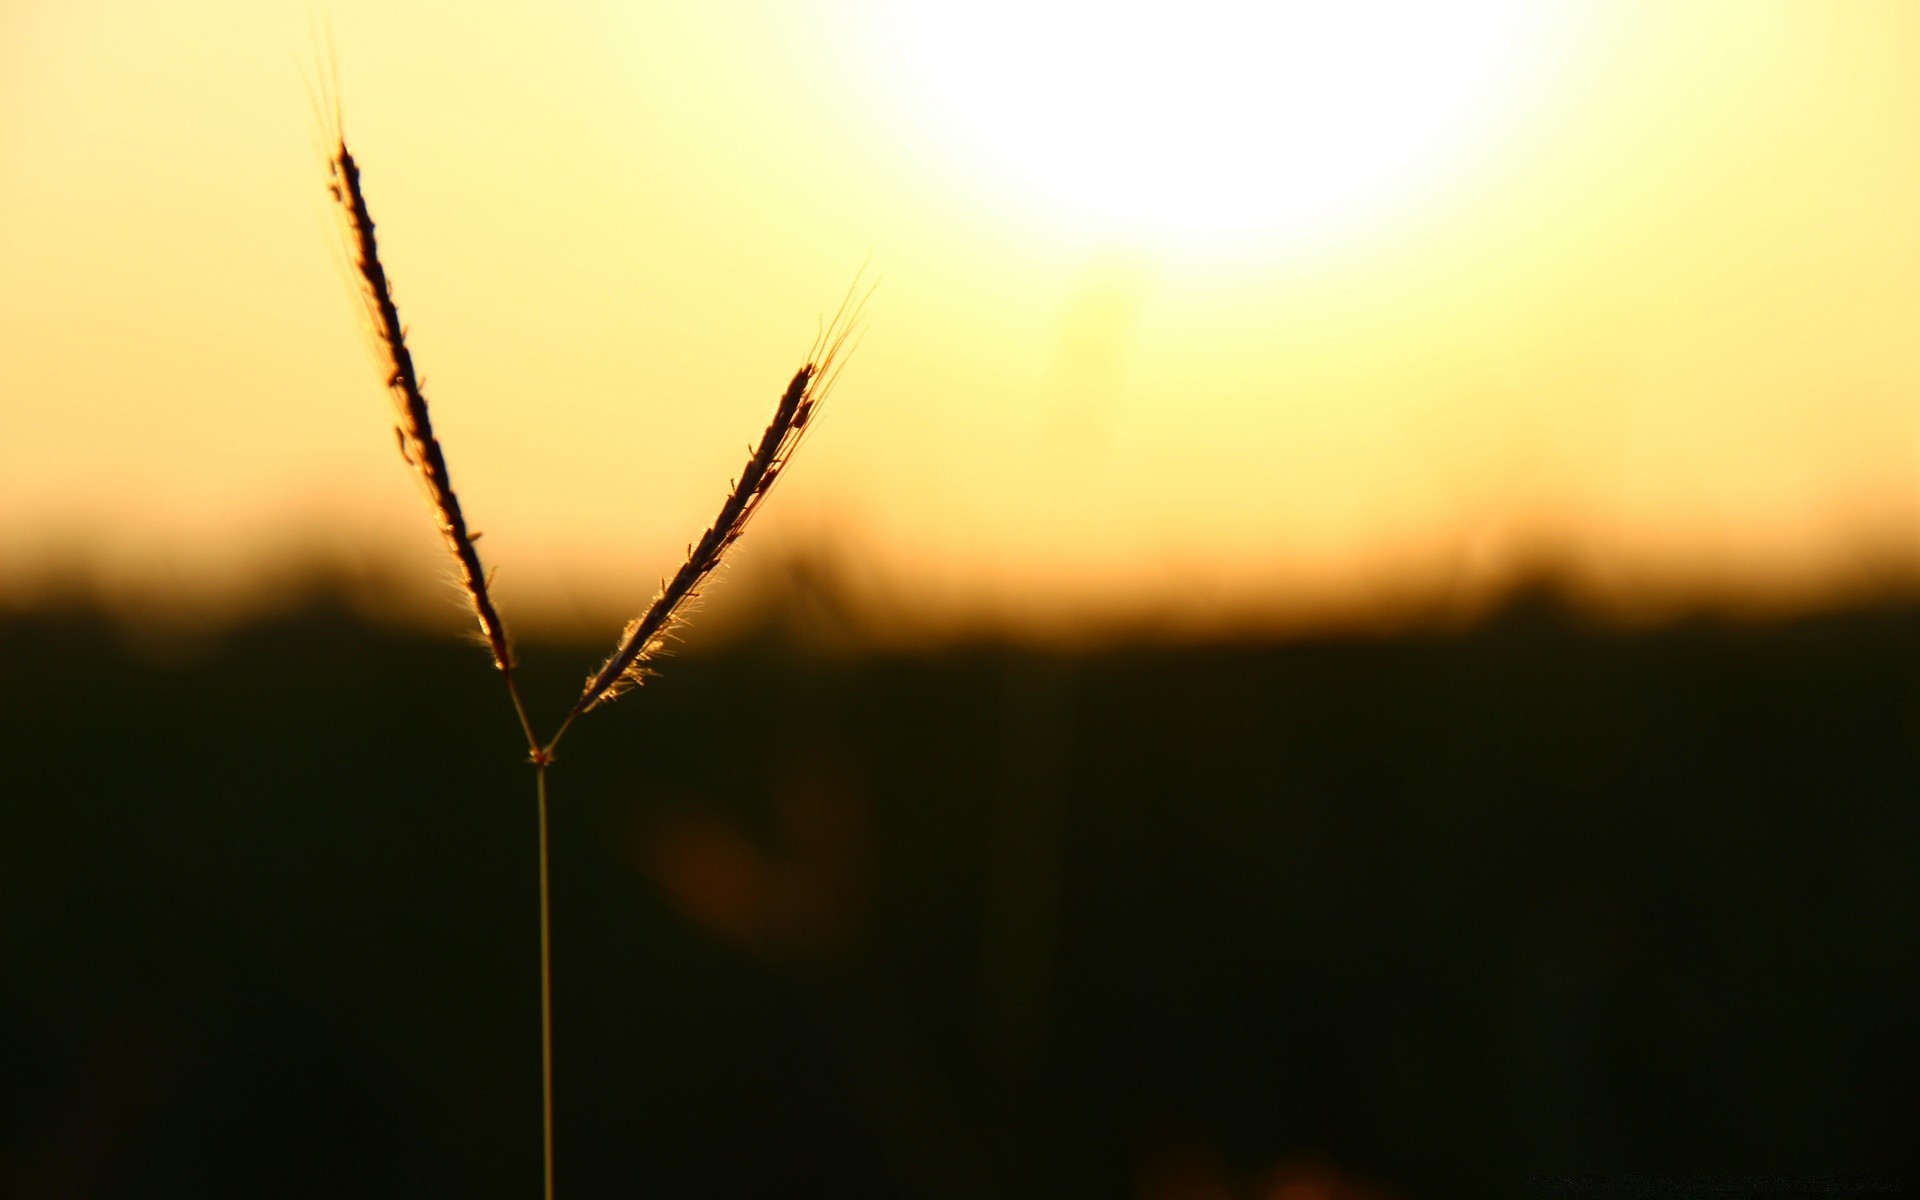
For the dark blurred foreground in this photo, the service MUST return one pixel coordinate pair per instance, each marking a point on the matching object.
(1350, 917)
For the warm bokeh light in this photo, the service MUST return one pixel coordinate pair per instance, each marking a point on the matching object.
(1227, 126)
(1341, 309)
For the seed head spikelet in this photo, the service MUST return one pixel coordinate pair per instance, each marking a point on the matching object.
(418, 446)
(792, 418)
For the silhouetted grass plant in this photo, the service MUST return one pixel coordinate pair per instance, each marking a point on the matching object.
(643, 637)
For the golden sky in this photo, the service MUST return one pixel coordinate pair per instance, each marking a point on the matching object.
(1204, 309)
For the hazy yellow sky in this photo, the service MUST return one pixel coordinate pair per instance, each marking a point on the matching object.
(1207, 309)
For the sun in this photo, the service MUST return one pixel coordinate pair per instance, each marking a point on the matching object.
(1208, 124)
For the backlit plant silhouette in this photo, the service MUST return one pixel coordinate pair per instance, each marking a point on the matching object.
(642, 639)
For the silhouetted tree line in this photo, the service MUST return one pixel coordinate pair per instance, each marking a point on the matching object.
(1412, 916)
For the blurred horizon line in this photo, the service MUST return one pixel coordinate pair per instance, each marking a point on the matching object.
(821, 597)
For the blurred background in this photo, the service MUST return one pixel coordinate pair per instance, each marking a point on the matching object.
(1350, 630)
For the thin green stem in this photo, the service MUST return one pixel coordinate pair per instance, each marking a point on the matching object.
(520, 711)
(546, 983)
(546, 752)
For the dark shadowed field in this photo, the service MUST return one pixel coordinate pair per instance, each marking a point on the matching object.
(1423, 915)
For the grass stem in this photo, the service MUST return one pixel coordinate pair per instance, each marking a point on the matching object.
(546, 984)
(526, 726)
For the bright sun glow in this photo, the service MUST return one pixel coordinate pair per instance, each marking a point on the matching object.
(1203, 123)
